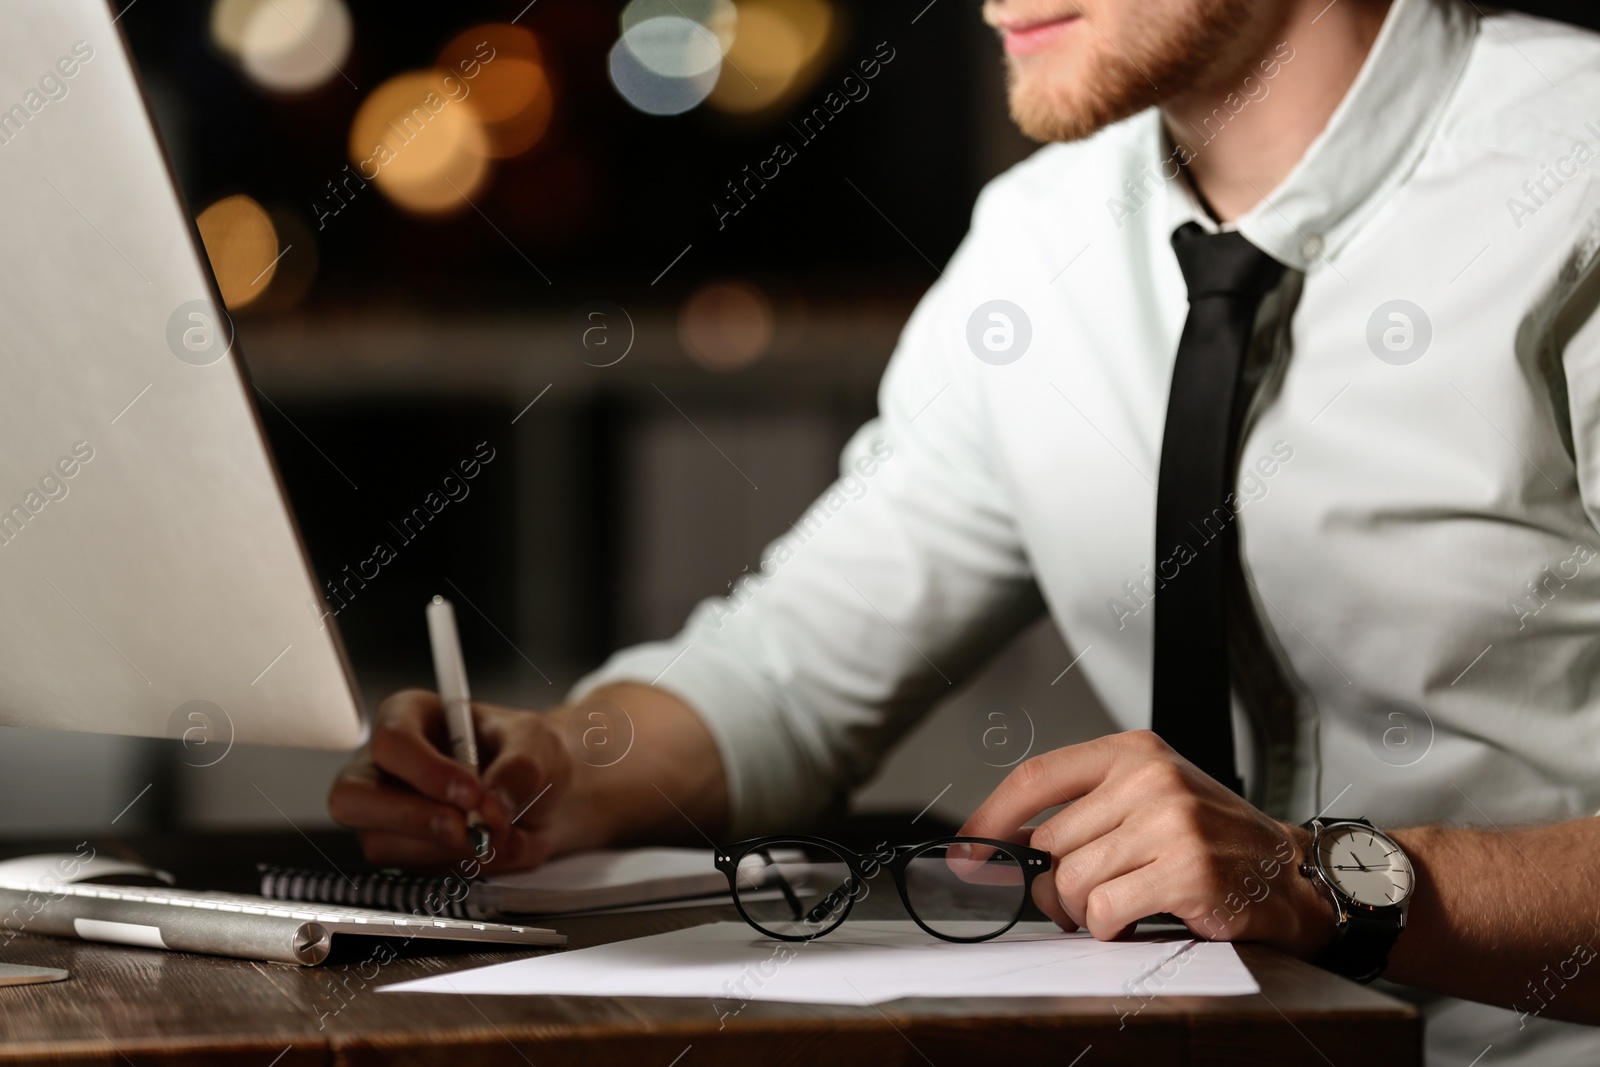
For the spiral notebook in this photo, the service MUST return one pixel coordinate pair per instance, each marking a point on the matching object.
(584, 881)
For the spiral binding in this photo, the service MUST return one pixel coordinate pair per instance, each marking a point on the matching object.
(379, 890)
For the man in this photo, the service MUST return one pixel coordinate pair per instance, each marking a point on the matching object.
(1283, 360)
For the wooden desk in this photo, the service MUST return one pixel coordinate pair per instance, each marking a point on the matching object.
(136, 1007)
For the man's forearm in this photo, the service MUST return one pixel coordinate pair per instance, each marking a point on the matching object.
(645, 770)
(1509, 918)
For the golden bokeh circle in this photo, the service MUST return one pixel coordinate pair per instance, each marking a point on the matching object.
(502, 68)
(780, 46)
(418, 141)
(242, 244)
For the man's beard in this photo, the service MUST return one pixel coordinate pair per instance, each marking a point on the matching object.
(1166, 60)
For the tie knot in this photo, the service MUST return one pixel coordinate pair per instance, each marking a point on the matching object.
(1223, 264)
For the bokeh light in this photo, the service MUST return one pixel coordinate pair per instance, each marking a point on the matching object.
(669, 56)
(674, 46)
(657, 94)
(416, 139)
(719, 16)
(242, 245)
(228, 19)
(503, 70)
(288, 46)
(776, 54)
(726, 325)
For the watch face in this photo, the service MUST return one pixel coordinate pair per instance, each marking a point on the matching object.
(1365, 865)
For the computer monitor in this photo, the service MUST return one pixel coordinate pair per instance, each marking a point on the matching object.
(152, 579)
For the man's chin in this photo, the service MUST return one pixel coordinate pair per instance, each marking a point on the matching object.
(1081, 85)
(1046, 116)
(1075, 96)
(1046, 112)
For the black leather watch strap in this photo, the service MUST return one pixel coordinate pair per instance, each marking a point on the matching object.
(1361, 949)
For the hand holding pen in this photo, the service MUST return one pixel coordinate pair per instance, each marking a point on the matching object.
(450, 674)
(420, 796)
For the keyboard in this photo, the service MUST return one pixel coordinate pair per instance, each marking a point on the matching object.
(228, 924)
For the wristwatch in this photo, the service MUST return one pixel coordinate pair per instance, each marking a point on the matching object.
(1369, 879)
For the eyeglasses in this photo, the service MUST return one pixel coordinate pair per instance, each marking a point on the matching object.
(955, 888)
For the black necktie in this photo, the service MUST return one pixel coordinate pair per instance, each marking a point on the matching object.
(1197, 537)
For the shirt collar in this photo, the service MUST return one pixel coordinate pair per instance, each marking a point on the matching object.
(1370, 144)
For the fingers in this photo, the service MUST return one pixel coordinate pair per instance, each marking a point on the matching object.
(406, 739)
(447, 844)
(980, 865)
(1144, 832)
(1113, 907)
(1117, 802)
(530, 761)
(1042, 782)
(520, 850)
(1049, 902)
(361, 802)
(410, 800)
(1079, 874)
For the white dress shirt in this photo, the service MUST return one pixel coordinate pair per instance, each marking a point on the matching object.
(1418, 481)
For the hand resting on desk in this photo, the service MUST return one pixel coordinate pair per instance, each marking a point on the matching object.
(1146, 832)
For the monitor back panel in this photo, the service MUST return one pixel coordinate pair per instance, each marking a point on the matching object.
(152, 581)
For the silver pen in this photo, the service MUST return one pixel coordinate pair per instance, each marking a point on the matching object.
(450, 673)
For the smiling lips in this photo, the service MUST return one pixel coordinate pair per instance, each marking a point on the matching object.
(1024, 39)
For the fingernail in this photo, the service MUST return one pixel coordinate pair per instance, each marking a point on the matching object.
(442, 827)
(459, 793)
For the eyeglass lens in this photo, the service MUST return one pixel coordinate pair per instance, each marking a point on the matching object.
(800, 889)
(965, 890)
(795, 889)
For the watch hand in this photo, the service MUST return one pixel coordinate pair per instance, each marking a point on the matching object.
(1359, 865)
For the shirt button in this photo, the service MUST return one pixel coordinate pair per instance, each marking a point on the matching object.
(1311, 247)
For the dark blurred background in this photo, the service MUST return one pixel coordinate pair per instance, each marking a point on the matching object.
(394, 335)
(585, 256)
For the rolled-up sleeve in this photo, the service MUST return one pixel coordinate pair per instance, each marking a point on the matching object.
(888, 591)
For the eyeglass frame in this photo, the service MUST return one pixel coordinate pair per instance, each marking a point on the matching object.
(1032, 862)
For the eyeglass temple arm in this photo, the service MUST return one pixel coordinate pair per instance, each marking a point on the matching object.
(845, 888)
(783, 883)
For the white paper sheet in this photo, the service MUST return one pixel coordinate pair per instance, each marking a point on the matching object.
(609, 868)
(585, 883)
(862, 963)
